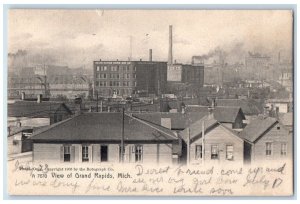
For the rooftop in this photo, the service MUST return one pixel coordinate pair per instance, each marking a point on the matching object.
(90, 127)
(34, 109)
(223, 114)
(256, 128)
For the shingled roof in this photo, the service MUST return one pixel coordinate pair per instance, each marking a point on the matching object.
(196, 128)
(95, 127)
(179, 121)
(223, 114)
(34, 109)
(248, 106)
(257, 128)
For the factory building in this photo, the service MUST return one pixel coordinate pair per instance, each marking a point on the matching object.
(127, 78)
(183, 73)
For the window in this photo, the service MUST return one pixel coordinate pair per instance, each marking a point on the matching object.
(198, 152)
(67, 153)
(229, 152)
(214, 152)
(97, 68)
(102, 76)
(59, 118)
(102, 83)
(138, 153)
(85, 153)
(103, 68)
(278, 127)
(103, 152)
(268, 149)
(283, 151)
(134, 76)
(55, 118)
(114, 68)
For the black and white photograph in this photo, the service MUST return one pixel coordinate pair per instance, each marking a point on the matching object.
(150, 102)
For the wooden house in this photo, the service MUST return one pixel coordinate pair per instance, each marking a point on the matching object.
(97, 138)
(266, 139)
(220, 144)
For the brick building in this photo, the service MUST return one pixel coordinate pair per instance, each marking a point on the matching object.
(126, 78)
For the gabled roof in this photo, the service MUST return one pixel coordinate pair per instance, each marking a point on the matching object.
(223, 114)
(179, 121)
(91, 127)
(15, 130)
(257, 128)
(196, 128)
(34, 109)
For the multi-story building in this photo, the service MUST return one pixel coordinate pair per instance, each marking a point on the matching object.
(126, 78)
(186, 73)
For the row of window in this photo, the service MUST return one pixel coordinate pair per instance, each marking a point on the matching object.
(114, 76)
(114, 68)
(269, 149)
(114, 83)
(137, 150)
(214, 152)
(230, 152)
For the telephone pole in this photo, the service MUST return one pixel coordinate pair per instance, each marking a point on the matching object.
(97, 101)
(122, 139)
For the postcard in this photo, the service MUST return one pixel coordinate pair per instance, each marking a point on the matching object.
(150, 102)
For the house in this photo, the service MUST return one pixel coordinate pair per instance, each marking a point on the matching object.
(220, 144)
(266, 139)
(173, 121)
(229, 116)
(31, 113)
(286, 119)
(96, 137)
(249, 106)
(17, 139)
(278, 105)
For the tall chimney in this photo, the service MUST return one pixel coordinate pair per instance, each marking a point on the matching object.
(170, 59)
(150, 55)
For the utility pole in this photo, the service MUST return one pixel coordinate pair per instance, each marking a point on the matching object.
(122, 139)
(97, 101)
(202, 141)
(188, 146)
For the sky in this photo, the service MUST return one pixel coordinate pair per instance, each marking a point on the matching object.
(78, 37)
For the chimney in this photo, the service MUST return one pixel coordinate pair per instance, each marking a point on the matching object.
(23, 96)
(170, 58)
(211, 109)
(266, 112)
(18, 123)
(150, 55)
(39, 98)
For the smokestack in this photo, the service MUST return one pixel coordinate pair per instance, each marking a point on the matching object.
(170, 59)
(150, 55)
